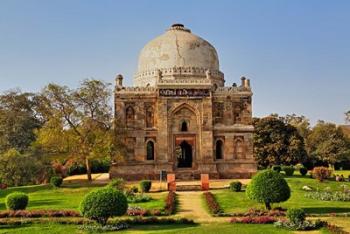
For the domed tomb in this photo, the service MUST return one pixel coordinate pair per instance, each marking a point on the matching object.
(180, 55)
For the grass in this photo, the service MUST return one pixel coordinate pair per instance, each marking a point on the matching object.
(238, 202)
(215, 228)
(46, 197)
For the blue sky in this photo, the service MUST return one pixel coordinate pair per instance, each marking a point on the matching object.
(296, 53)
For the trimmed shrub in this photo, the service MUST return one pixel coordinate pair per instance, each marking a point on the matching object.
(276, 168)
(254, 220)
(288, 170)
(236, 186)
(118, 184)
(303, 171)
(38, 213)
(296, 215)
(170, 203)
(145, 185)
(213, 205)
(56, 181)
(321, 173)
(101, 204)
(268, 187)
(17, 201)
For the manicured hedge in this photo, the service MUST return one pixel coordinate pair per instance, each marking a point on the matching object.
(17, 201)
(145, 185)
(213, 205)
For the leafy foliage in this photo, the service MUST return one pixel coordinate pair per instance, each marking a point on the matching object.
(296, 215)
(321, 173)
(268, 187)
(56, 181)
(117, 183)
(288, 170)
(236, 186)
(277, 143)
(22, 169)
(328, 143)
(17, 201)
(101, 204)
(18, 120)
(82, 121)
(277, 168)
(303, 171)
(145, 185)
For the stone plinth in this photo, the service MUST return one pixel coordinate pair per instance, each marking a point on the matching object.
(171, 182)
(205, 182)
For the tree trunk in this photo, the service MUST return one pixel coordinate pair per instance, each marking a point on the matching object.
(268, 205)
(88, 169)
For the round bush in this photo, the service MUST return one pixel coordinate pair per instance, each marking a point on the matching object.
(303, 171)
(268, 187)
(236, 186)
(296, 215)
(288, 170)
(276, 168)
(56, 181)
(101, 204)
(118, 184)
(17, 201)
(145, 185)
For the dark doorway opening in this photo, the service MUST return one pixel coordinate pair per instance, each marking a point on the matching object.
(185, 159)
(219, 149)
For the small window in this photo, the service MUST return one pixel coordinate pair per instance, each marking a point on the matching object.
(219, 149)
(150, 150)
(184, 127)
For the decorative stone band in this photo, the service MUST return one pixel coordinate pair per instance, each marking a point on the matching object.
(221, 91)
(233, 89)
(164, 73)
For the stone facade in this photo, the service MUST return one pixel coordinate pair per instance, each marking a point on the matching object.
(180, 117)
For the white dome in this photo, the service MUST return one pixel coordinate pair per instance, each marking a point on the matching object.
(176, 48)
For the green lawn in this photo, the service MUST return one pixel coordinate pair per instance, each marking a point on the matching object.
(46, 197)
(238, 202)
(214, 228)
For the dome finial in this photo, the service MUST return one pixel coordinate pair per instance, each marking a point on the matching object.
(179, 27)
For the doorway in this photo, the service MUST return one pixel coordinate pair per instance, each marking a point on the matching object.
(185, 157)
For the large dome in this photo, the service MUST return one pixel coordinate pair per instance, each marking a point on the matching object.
(176, 49)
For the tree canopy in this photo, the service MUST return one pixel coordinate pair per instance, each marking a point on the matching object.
(18, 120)
(276, 142)
(328, 143)
(78, 122)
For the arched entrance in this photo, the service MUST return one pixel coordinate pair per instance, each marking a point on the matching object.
(185, 157)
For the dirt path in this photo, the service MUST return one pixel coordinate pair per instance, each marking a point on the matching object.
(191, 206)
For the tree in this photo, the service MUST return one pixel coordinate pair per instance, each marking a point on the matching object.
(18, 120)
(81, 121)
(20, 169)
(301, 123)
(268, 187)
(347, 116)
(277, 143)
(327, 143)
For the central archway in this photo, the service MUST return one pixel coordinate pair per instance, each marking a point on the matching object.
(185, 158)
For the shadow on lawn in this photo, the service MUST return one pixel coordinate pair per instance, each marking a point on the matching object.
(44, 202)
(325, 210)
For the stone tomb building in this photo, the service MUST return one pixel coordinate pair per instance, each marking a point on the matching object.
(180, 117)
